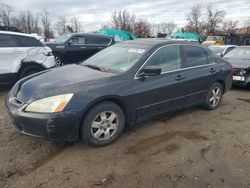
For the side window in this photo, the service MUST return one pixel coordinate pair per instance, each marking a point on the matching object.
(167, 58)
(194, 56)
(228, 50)
(78, 40)
(25, 41)
(8, 41)
(98, 40)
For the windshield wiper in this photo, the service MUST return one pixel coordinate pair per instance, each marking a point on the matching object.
(93, 67)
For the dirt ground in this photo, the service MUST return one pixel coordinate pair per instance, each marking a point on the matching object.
(192, 148)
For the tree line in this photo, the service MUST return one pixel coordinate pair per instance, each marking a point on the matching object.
(200, 19)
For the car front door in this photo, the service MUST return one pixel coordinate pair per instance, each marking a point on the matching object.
(201, 71)
(75, 49)
(164, 92)
(11, 54)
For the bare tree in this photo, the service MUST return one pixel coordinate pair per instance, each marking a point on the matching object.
(61, 25)
(123, 20)
(27, 22)
(214, 18)
(5, 15)
(194, 19)
(142, 28)
(166, 28)
(76, 25)
(46, 24)
(230, 26)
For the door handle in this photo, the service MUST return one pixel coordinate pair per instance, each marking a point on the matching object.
(212, 70)
(179, 77)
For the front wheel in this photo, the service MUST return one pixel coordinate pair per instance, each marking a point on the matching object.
(214, 96)
(103, 124)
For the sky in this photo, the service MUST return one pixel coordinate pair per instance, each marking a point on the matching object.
(94, 14)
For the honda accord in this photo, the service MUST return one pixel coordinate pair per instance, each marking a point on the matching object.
(122, 85)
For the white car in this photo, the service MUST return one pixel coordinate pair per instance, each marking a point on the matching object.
(22, 55)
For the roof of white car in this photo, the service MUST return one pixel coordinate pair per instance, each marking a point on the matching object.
(15, 33)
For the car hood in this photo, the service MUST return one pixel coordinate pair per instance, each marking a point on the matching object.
(239, 63)
(67, 79)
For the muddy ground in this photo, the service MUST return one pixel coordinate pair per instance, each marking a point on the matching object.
(193, 148)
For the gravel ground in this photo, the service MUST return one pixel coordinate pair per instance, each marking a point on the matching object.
(192, 148)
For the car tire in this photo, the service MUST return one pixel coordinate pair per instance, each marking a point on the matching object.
(214, 96)
(28, 70)
(58, 60)
(103, 124)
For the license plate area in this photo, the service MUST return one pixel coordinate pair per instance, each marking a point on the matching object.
(239, 78)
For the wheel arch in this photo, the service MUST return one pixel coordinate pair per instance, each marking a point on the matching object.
(223, 85)
(115, 99)
(27, 64)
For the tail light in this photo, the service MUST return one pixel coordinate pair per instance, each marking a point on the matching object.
(48, 54)
(231, 69)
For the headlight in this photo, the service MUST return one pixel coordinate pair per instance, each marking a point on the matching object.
(50, 104)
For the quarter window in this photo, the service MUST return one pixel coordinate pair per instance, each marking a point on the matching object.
(167, 58)
(194, 56)
(8, 41)
(28, 41)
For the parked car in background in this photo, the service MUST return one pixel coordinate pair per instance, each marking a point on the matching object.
(75, 48)
(126, 83)
(239, 58)
(222, 49)
(214, 40)
(22, 55)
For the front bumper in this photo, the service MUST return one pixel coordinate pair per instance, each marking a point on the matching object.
(62, 126)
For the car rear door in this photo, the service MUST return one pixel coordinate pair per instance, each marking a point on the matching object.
(201, 71)
(162, 93)
(11, 54)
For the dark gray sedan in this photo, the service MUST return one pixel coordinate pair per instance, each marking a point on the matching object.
(122, 85)
(239, 58)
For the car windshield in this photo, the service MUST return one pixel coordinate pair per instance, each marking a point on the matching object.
(62, 38)
(117, 58)
(217, 49)
(239, 53)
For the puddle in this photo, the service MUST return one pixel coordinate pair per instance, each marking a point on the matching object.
(152, 141)
(245, 100)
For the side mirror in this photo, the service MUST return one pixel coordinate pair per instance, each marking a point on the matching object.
(70, 43)
(150, 71)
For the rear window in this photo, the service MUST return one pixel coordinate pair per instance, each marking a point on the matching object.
(194, 56)
(28, 41)
(7, 41)
(98, 40)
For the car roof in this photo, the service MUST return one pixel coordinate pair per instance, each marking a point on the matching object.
(158, 41)
(88, 34)
(16, 33)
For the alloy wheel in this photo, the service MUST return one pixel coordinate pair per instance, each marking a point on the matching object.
(215, 97)
(104, 125)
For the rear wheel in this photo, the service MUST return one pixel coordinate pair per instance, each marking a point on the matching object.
(58, 60)
(214, 96)
(28, 70)
(103, 124)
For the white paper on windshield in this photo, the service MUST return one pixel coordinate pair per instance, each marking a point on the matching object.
(134, 50)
